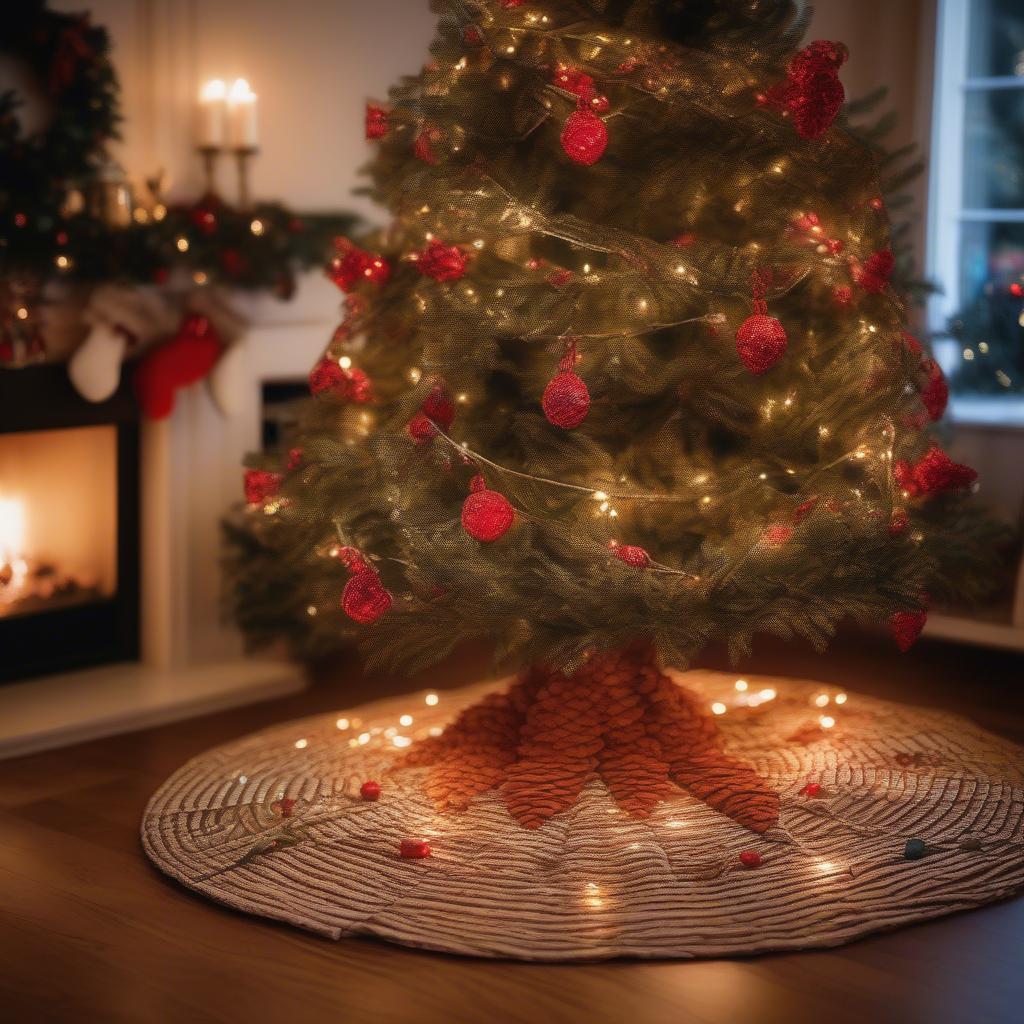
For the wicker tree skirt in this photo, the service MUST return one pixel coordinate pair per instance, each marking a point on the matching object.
(274, 825)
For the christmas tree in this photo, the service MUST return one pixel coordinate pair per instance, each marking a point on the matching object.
(627, 375)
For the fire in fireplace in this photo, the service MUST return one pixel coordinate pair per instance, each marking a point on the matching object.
(68, 526)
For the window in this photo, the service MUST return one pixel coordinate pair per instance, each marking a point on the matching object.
(976, 228)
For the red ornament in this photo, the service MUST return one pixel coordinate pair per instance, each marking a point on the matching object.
(414, 849)
(898, 522)
(600, 104)
(579, 83)
(874, 273)
(486, 515)
(377, 124)
(286, 806)
(559, 278)
(370, 791)
(803, 510)
(777, 535)
(584, 137)
(294, 458)
(761, 340)
(935, 473)
(188, 357)
(812, 94)
(685, 240)
(261, 485)
(472, 36)
(842, 296)
(906, 628)
(812, 789)
(439, 406)
(566, 400)
(364, 598)
(442, 262)
(750, 859)
(912, 343)
(420, 429)
(632, 555)
(205, 219)
(328, 378)
(354, 266)
(423, 146)
(935, 393)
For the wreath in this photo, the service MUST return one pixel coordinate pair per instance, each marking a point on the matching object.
(69, 58)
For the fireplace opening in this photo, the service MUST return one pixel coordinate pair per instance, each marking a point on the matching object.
(69, 530)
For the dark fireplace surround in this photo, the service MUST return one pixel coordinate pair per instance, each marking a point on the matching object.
(102, 630)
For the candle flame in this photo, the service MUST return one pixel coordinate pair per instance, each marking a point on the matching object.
(213, 91)
(240, 92)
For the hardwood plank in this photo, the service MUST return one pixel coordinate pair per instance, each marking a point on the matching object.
(90, 932)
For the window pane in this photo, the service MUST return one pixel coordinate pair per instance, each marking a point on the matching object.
(996, 46)
(988, 327)
(994, 149)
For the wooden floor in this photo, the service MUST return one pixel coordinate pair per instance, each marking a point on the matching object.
(90, 932)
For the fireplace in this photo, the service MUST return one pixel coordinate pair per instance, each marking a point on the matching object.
(69, 526)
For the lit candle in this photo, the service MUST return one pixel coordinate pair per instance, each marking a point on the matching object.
(212, 114)
(243, 119)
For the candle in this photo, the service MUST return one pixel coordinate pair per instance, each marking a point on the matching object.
(243, 119)
(212, 114)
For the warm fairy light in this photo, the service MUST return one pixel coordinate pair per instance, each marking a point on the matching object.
(599, 496)
(767, 694)
(256, 226)
(301, 744)
(181, 244)
(718, 708)
(363, 739)
(741, 685)
(311, 610)
(415, 375)
(63, 262)
(431, 699)
(199, 277)
(826, 721)
(342, 723)
(983, 347)
(840, 698)
(593, 896)
(405, 720)
(401, 741)
(968, 354)
(821, 700)
(825, 866)
(1003, 378)
(243, 779)
(22, 313)
(345, 363)
(435, 730)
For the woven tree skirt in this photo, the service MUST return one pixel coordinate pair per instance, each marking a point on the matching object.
(847, 815)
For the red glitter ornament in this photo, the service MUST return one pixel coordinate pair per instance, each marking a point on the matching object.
(566, 400)
(935, 393)
(761, 339)
(486, 515)
(804, 509)
(353, 266)
(294, 458)
(898, 522)
(261, 485)
(584, 137)
(364, 598)
(913, 345)
(812, 94)
(632, 555)
(579, 83)
(442, 262)
(377, 122)
(438, 410)
(328, 378)
(874, 273)
(423, 146)
(750, 859)
(935, 473)
(472, 36)
(812, 789)
(906, 628)
(777, 536)
(559, 278)
(842, 296)
(414, 849)
(420, 429)
(370, 791)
